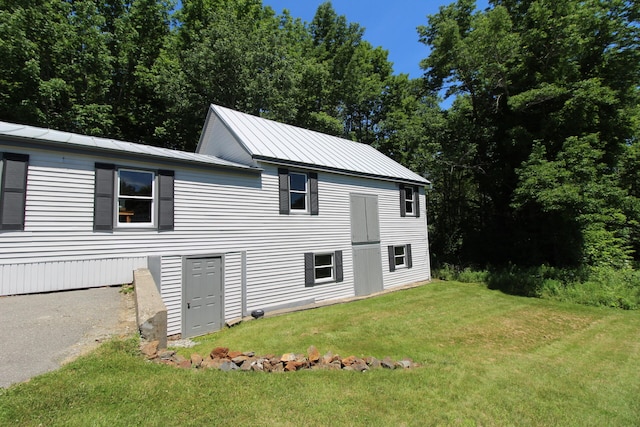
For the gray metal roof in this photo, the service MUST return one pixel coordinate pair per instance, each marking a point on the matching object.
(49, 137)
(273, 141)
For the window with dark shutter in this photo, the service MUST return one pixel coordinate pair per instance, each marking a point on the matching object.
(13, 195)
(283, 183)
(392, 258)
(409, 200)
(338, 264)
(165, 200)
(320, 268)
(309, 271)
(104, 197)
(313, 193)
(399, 257)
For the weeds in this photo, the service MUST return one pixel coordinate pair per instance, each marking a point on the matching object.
(595, 286)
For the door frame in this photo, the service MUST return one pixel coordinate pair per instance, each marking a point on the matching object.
(183, 296)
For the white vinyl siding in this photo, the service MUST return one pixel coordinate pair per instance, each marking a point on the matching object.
(59, 229)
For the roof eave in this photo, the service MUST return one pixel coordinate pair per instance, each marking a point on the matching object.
(281, 162)
(78, 148)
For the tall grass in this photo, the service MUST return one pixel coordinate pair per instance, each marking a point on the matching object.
(595, 286)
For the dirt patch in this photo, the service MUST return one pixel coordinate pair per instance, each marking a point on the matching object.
(123, 327)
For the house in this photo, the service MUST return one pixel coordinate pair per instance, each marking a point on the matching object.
(263, 216)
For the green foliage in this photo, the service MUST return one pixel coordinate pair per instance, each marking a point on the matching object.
(572, 365)
(543, 132)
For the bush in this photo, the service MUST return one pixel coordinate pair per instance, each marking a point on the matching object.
(466, 275)
(596, 286)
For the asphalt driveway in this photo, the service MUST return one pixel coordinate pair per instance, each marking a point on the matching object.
(40, 332)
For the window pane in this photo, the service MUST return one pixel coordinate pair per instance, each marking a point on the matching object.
(136, 183)
(408, 207)
(298, 182)
(399, 250)
(408, 193)
(134, 211)
(399, 260)
(322, 260)
(324, 273)
(299, 201)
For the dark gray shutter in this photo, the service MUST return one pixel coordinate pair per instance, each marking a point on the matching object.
(309, 272)
(283, 183)
(337, 262)
(416, 203)
(407, 254)
(104, 205)
(392, 258)
(13, 197)
(165, 199)
(313, 192)
(403, 202)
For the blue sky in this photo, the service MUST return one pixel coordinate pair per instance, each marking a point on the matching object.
(390, 24)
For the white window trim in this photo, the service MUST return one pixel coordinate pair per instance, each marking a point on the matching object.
(410, 201)
(404, 255)
(317, 281)
(305, 192)
(153, 197)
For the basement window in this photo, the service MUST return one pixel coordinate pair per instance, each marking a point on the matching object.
(323, 267)
(400, 257)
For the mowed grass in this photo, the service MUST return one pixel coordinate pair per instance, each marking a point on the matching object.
(487, 359)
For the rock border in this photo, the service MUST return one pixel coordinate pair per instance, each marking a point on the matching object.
(221, 358)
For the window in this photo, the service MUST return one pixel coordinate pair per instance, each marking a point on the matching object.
(325, 267)
(399, 257)
(409, 201)
(13, 190)
(135, 198)
(298, 192)
(132, 198)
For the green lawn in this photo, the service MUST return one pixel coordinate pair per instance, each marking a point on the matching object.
(487, 359)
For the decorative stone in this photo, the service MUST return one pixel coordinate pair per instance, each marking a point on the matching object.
(150, 349)
(404, 364)
(388, 363)
(313, 353)
(348, 361)
(289, 357)
(360, 366)
(239, 360)
(196, 360)
(372, 362)
(227, 366)
(290, 366)
(220, 352)
(225, 360)
(166, 354)
(233, 354)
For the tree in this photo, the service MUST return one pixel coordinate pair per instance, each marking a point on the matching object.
(549, 90)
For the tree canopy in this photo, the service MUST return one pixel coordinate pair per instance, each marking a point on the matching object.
(537, 161)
